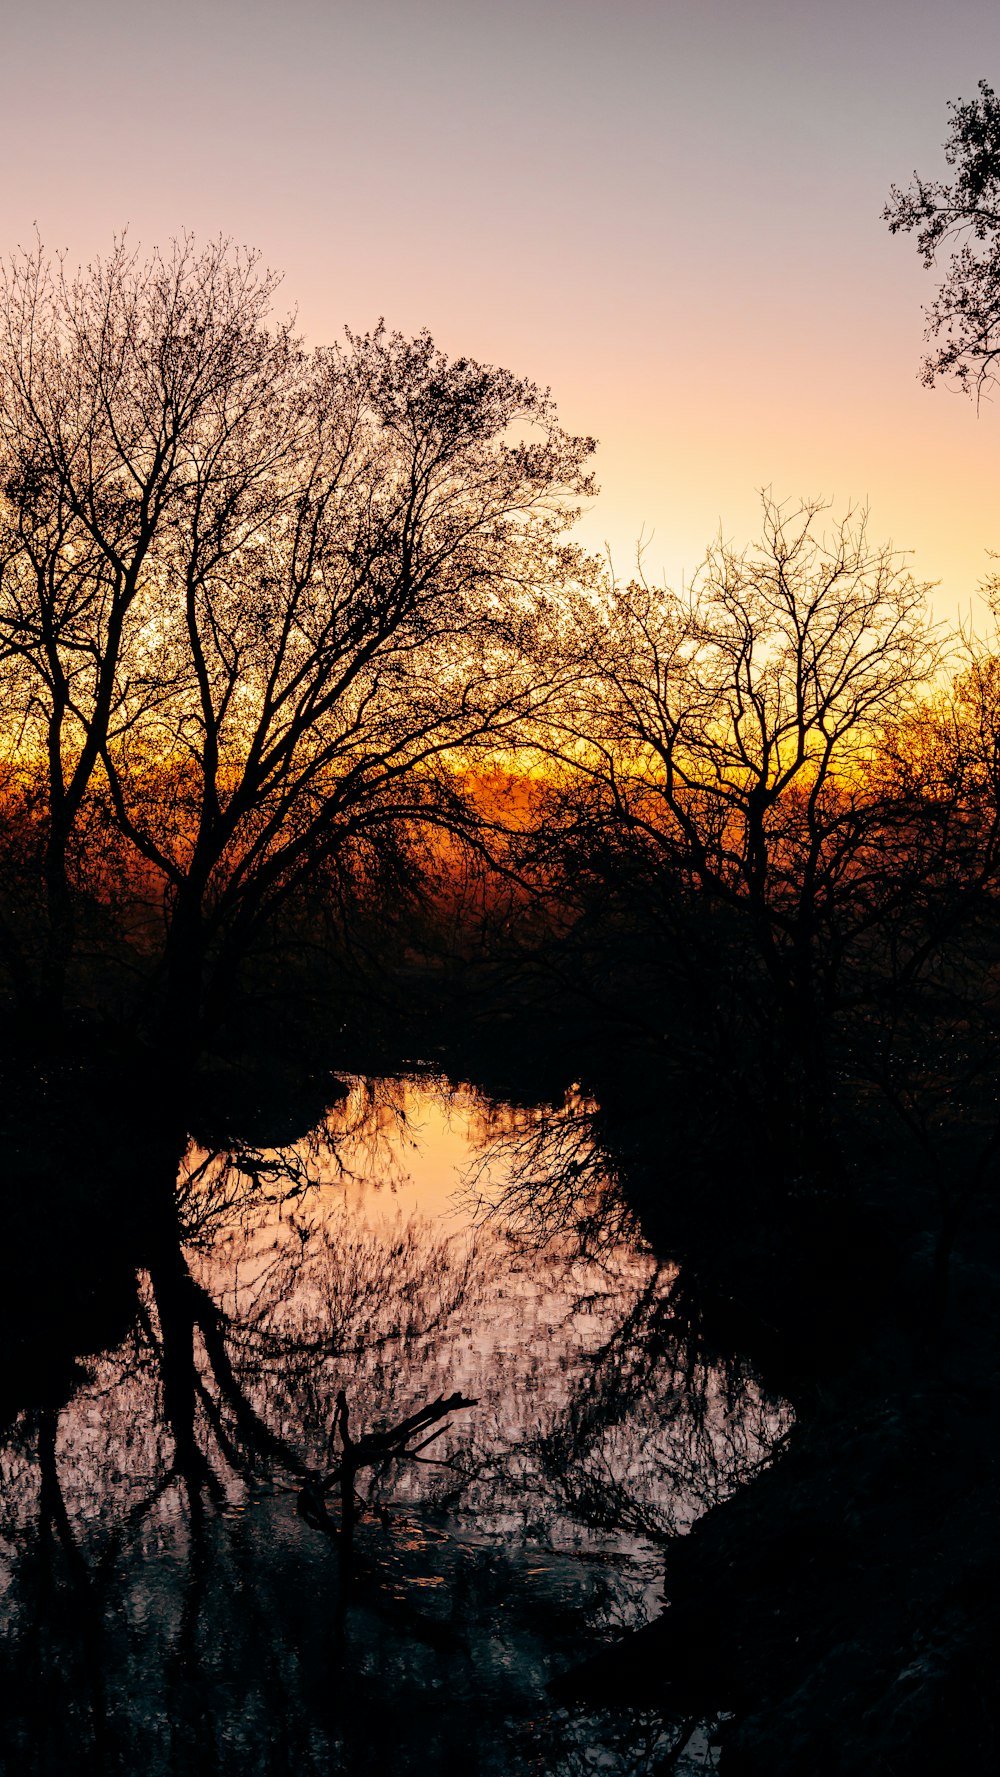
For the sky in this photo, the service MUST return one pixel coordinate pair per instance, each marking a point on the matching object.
(668, 211)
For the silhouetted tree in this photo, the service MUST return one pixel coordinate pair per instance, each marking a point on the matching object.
(962, 216)
(725, 743)
(117, 387)
(259, 598)
(930, 1033)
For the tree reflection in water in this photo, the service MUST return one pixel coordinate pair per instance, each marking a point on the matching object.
(171, 1603)
(659, 1426)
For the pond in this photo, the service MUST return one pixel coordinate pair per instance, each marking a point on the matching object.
(190, 1584)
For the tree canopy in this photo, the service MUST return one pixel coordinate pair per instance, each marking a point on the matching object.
(253, 596)
(960, 216)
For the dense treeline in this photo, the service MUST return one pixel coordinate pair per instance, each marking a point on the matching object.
(303, 677)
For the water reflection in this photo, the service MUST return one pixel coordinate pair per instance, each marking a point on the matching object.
(175, 1591)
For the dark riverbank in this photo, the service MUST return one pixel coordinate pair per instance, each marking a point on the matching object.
(840, 1609)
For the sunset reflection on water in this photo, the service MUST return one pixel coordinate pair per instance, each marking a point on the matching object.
(160, 1509)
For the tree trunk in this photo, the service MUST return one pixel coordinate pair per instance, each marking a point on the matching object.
(181, 1021)
(61, 924)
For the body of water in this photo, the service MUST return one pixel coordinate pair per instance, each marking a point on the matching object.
(180, 1592)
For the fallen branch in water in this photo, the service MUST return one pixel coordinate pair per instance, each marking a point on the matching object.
(371, 1450)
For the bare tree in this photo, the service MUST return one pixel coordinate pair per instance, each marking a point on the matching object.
(272, 595)
(727, 736)
(117, 385)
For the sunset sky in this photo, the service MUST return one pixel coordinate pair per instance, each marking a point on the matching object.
(667, 211)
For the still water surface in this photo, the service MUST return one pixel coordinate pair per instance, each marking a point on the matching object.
(176, 1597)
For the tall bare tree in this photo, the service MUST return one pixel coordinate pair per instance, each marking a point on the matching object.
(265, 596)
(726, 739)
(117, 386)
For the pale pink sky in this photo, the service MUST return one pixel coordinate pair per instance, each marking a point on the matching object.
(667, 211)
